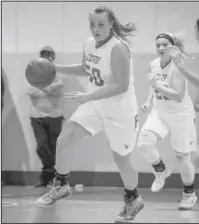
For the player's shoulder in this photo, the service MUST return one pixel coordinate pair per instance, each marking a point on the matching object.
(89, 41)
(120, 45)
(88, 44)
(155, 62)
(118, 42)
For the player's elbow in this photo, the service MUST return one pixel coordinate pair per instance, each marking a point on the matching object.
(179, 98)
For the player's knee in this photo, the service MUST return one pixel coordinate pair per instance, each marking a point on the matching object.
(184, 162)
(147, 138)
(186, 167)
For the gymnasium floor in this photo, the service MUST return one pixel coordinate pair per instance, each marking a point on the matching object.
(92, 205)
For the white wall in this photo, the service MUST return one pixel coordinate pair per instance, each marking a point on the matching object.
(29, 25)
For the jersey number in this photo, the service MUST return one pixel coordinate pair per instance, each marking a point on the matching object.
(95, 76)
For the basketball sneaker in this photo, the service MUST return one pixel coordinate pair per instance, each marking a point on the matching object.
(130, 210)
(56, 192)
(160, 178)
(188, 201)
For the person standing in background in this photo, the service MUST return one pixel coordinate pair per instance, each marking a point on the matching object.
(46, 120)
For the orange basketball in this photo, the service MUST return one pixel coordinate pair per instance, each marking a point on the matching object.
(40, 73)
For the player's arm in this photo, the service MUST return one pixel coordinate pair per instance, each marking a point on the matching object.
(177, 92)
(120, 65)
(150, 96)
(151, 91)
(180, 59)
(75, 69)
(149, 102)
(188, 73)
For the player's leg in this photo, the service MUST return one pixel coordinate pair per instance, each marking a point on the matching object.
(183, 143)
(133, 203)
(187, 174)
(153, 131)
(122, 137)
(84, 122)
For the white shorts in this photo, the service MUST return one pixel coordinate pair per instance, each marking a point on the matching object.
(121, 133)
(182, 130)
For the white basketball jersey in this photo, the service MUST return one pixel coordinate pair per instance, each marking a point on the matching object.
(98, 66)
(165, 76)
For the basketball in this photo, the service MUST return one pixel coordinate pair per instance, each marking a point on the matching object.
(40, 73)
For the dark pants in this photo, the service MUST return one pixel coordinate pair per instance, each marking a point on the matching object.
(46, 132)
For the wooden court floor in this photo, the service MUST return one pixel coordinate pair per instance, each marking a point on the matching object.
(92, 205)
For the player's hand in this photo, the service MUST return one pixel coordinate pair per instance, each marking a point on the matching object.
(54, 87)
(78, 97)
(145, 107)
(176, 54)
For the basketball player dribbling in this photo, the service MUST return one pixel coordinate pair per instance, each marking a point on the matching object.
(173, 113)
(110, 105)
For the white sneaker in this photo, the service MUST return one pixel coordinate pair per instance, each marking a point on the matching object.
(130, 210)
(160, 178)
(188, 201)
(54, 194)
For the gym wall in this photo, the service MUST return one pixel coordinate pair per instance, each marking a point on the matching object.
(28, 26)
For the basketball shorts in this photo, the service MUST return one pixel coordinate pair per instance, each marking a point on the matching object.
(121, 132)
(182, 130)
